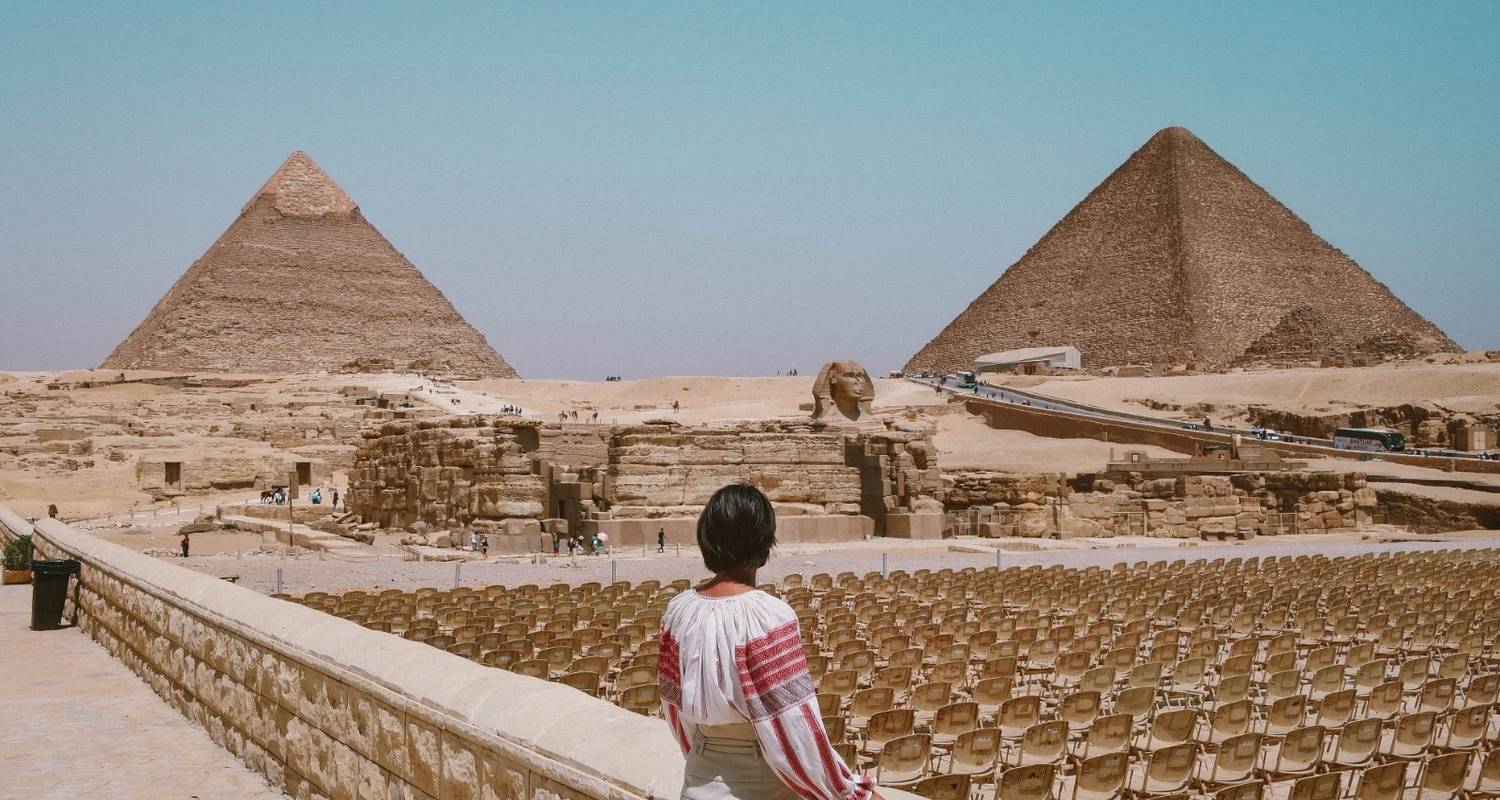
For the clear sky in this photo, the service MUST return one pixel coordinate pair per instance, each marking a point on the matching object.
(720, 188)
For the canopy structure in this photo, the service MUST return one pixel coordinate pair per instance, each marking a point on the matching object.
(1063, 357)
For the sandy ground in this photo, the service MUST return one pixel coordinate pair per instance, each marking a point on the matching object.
(313, 572)
(701, 399)
(128, 422)
(1468, 388)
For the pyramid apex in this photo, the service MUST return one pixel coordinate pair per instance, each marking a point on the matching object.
(300, 188)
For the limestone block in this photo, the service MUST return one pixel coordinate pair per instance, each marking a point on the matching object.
(914, 526)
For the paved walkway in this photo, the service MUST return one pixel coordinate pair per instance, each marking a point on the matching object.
(75, 723)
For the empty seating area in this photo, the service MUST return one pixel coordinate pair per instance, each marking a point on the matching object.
(1295, 677)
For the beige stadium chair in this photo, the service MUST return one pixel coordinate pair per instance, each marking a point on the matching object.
(848, 752)
(1139, 702)
(1357, 744)
(975, 754)
(1098, 778)
(866, 703)
(836, 727)
(1186, 683)
(1279, 685)
(1169, 729)
(1284, 715)
(1079, 710)
(1230, 689)
(952, 721)
(943, 787)
(1042, 743)
(1317, 787)
(1487, 782)
(1226, 722)
(1164, 772)
(441, 641)
(953, 672)
(990, 693)
(1233, 763)
(1442, 777)
(1412, 736)
(1437, 695)
(1483, 690)
(1018, 714)
(1336, 709)
(535, 667)
(884, 727)
(1325, 681)
(1111, 734)
(642, 699)
(1465, 729)
(1026, 783)
(1243, 791)
(1413, 673)
(467, 650)
(927, 698)
(499, 659)
(1299, 753)
(902, 761)
(842, 682)
(1385, 782)
(1384, 701)
(586, 682)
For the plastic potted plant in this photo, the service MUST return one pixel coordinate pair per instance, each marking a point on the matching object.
(17, 559)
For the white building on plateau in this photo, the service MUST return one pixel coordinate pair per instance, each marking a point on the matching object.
(1030, 360)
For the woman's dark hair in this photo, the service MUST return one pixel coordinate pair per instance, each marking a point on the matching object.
(737, 529)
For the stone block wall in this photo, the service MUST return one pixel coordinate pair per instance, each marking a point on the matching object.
(469, 472)
(327, 710)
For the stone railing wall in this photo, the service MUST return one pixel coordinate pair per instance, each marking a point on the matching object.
(327, 709)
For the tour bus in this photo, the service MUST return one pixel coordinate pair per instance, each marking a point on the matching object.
(967, 380)
(1378, 440)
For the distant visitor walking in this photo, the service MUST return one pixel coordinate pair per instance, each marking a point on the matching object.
(661, 540)
(184, 545)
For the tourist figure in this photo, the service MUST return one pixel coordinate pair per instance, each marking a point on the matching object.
(746, 713)
(556, 545)
(335, 499)
(1208, 424)
(603, 539)
(52, 510)
(185, 545)
(676, 406)
(661, 540)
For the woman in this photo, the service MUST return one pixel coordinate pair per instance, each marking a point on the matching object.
(734, 681)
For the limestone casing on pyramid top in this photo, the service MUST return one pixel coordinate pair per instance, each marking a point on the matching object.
(300, 188)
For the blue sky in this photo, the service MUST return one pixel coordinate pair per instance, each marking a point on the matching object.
(717, 188)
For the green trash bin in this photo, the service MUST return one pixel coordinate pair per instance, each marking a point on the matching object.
(49, 591)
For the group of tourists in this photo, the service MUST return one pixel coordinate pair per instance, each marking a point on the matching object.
(277, 496)
(596, 545)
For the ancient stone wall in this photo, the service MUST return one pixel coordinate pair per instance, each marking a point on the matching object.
(469, 471)
(326, 709)
(447, 472)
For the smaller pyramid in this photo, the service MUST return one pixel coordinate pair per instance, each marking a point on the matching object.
(302, 282)
(1179, 258)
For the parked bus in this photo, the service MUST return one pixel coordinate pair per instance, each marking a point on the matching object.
(1377, 440)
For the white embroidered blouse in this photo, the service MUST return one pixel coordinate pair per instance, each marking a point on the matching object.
(738, 659)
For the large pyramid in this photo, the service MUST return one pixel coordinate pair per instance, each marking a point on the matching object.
(1179, 258)
(301, 281)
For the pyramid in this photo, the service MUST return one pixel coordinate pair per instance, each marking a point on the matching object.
(302, 282)
(1179, 258)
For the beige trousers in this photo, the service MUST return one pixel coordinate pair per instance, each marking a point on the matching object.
(726, 763)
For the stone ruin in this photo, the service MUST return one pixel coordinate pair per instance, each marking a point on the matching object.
(523, 481)
(1239, 506)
